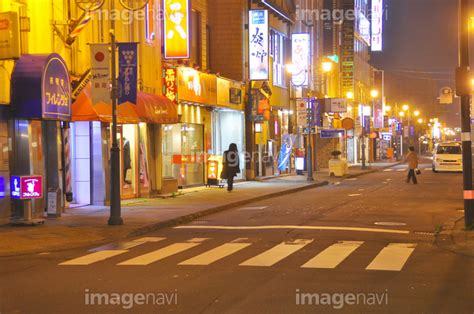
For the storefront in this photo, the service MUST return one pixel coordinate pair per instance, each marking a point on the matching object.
(41, 105)
(91, 140)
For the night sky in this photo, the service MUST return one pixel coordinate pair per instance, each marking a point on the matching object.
(420, 54)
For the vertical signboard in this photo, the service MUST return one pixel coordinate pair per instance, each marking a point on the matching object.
(377, 25)
(258, 45)
(378, 114)
(328, 30)
(348, 28)
(100, 73)
(170, 84)
(56, 90)
(300, 47)
(9, 36)
(127, 82)
(176, 29)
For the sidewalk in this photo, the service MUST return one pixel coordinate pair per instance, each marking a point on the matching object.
(455, 238)
(86, 226)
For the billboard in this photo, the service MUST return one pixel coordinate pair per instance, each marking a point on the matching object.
(377, 25)
(176, 29)
(258, 45)
(9, 36)
(300, 47)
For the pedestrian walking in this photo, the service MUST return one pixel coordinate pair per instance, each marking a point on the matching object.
(412, 160)
(231, 165)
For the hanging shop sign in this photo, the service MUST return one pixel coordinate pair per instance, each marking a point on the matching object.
(197, 87)
(229, 94)
(332, 133)
(302, 112)
(26, 187)
(258, 45)
(170, 84)
(41, 88)
(300, 47)
(127, 81)
(335, 105)
(377, 25)
(348, 30)
(100, 69)
(9, 36)
(378, 114)
(176, 29)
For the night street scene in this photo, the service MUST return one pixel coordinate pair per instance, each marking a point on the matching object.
(236, 156)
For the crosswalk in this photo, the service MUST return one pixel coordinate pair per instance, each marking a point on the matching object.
(392, 257)
(402, 169)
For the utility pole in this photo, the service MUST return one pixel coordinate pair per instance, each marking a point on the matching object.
(463, 89)
(309, 161)
(115, 209)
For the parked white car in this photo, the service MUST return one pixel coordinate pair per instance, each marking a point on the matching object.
(447, 157)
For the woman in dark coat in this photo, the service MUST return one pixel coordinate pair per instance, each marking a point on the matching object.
(231, 165)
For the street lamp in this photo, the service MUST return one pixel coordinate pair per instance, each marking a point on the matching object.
(327, 67)
(350, 95)
(416, 113)
(405, 107)
(374, 93)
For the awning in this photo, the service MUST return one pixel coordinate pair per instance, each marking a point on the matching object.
(149, 108)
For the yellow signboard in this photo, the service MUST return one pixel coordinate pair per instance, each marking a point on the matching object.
(176, 29)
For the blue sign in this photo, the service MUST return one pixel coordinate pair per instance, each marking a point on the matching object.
(317, 104)
(41, 88)
(15, 187)
(2, 187)
(332, 133)
(285, 152)
(127, 81)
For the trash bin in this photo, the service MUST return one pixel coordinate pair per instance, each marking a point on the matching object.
(338, 167)
(54, 203)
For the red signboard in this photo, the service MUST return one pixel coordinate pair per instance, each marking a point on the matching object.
(26, 187)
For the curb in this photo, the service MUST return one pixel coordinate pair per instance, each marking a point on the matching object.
(191, 217)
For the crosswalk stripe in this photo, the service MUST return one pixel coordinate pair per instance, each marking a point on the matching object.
(400, 170)
(215, 254)
(126, 245)
(392, 257)
(333, 255)
(162, 253)
(276, 253)
(388, 170)
(93, 257)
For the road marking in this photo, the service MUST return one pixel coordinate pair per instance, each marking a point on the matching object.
(253, 208)
(376, 230)
(333, 255)
(215, 254)
(337, 183)
(93, 257)
(392, 257)
(389, 170)
(400, 170)
(162, 253)
(125, 245)
(276, 253)
(351, 179)
(354, 195)
(390, 224)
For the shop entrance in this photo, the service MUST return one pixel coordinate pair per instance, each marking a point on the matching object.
(183, 150)
(127, 139)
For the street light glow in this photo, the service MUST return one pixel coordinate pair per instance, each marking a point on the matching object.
(402, 114)
(327, 66)
(405, 107)
(350, 95)
(291, 68)
(374, 93)
(416, 113)
(420, 120)
(388, 108)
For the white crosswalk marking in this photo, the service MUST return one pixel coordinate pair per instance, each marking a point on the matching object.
(400, 170)
(392, 257)
(93, 257)
(162, 253)
(333, 255)
(388, 170)
(216, 254)
(276, 253)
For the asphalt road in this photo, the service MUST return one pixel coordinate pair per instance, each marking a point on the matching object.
(363, 245)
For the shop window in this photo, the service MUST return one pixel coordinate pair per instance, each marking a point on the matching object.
(277, 51)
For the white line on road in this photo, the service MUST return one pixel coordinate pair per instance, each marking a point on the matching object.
(162, 253)
(354, 195)
(400, 170)
(215, 254)
(253, 208)
(276, 253)
(275, 227)
(126, 245)
(389, 170)
(93, 258)
(351, 179)
(333, 255)
(392, 257)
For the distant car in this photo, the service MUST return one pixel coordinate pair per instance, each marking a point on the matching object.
(447, 157)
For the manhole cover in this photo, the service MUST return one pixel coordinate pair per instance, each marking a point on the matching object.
(390, 224)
